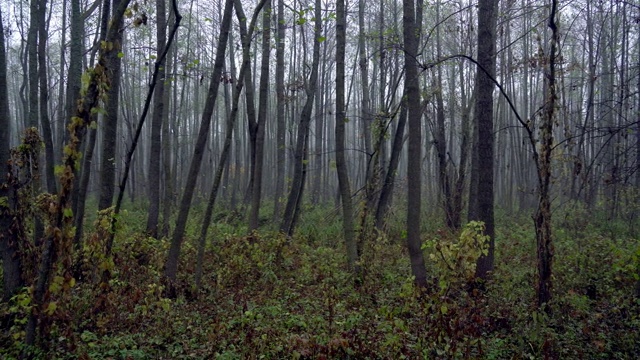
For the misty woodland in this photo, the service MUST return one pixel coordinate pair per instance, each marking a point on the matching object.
(320, 179)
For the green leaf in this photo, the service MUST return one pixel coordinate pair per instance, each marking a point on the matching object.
(444, 309)
(321, 39)
(120, 55)
(68, 213)
(51, 308)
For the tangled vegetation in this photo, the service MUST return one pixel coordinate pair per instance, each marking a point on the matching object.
(266, 296)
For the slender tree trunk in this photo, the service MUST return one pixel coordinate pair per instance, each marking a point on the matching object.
(542, 218)
(156, 125)
(11, 263)
(45, 121)
(386, 193)
(414, 165)
(32, 56)
(262, 118)
(81, 182)
(300, 156)
(280, 115)
(341, 162)
(32, 120)
(167, 173)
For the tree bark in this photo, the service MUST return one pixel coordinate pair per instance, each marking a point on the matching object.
(258, 156)
(280, 115)
(483, 162)
(542, 218)
(11, 263)
(341, 162)
(110, 124)
(156, 125)
(45, 120)
(414, 165)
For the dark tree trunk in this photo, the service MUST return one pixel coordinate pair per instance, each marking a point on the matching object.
(341, 162)
(110, 124)
(262, 118)
(280, 104)
(81, 182)
(542, 218)
(483, 162)
(154, 179)
(45, 121)
(11, 264)
(300, 156)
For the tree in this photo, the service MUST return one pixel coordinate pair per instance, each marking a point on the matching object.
(481, 204)
(45, 122)
(156, 125)
(341, 162)
(542, 219)
(256, 129)
(414, 165)
(280, 105)
(110, 123)
(11, 263)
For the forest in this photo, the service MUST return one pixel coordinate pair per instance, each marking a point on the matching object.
(320, 179)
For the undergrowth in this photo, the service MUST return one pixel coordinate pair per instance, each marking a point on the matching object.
(268, 296)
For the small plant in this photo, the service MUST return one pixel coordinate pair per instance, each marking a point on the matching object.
(455, 261)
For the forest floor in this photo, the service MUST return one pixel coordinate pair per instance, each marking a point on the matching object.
(264, 296)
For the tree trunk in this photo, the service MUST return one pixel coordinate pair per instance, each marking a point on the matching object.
(414, 165)
(154, 178)
(262, 118)
(542, 218)
(300, 156)
(483, 162)
(110, 124)
(280, 115)
(11, 263)
(45, 121)
(341, 162)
